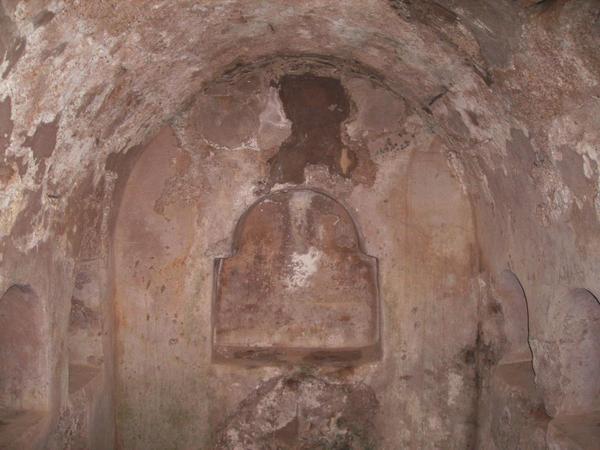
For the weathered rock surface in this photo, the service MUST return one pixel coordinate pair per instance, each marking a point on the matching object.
(462, 135)
(302, 412)
(567, 354)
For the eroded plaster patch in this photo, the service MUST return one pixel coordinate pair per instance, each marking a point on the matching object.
(302, 266)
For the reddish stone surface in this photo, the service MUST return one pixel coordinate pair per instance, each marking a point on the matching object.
(43, 140)
(298, 287)
(22, 350)
(317, 106)
(6, 124)
(13, 55)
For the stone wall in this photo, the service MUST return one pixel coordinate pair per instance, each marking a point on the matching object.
(498, 99)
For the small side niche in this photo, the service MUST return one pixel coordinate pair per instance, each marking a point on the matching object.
(85, 341)
(515, 311)
(298, 288)
(24, 368)
(24, 372)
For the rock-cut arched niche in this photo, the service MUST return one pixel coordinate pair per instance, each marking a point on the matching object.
(298, 288)
(24, 370)
(515, 312)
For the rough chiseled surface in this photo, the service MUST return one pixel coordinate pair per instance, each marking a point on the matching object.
(302, 412)
(469, 145)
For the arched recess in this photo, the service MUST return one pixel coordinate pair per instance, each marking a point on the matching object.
(515, 326)
(179, 208)
(567, 354)
(24, 371)
(510, 405)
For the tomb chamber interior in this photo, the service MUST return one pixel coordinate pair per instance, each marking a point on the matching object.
(300, 225)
